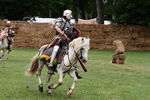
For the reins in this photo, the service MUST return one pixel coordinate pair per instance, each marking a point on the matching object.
(82, 65)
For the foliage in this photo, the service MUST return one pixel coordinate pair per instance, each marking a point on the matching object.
(119, 11)
(132, 12)
(17, 9)
(103, 81)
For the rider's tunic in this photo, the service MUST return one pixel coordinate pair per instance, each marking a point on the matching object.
(65, 26)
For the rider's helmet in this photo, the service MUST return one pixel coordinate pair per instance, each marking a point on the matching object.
(8, 23)
(67, 14)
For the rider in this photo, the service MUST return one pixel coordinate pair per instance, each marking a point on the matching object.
(8, 29)
(60, 26)
(64, 34)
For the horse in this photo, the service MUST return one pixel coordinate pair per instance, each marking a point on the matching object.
(4, 43)
(79, 47)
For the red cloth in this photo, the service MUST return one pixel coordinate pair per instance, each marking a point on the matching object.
(2, 34)
(78, 32)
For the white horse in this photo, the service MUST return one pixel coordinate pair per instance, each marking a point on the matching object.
(4, 46)
(78, 47)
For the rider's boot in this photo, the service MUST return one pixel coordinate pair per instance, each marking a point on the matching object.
(54, 53)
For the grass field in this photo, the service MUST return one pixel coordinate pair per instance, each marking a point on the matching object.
(103, 81)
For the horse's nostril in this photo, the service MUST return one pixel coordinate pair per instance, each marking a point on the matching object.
(81, 57)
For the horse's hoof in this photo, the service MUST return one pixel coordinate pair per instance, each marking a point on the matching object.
(69, 93)
(49, 94)
(40, 88)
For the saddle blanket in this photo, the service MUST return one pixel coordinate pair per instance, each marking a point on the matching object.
(47, 53)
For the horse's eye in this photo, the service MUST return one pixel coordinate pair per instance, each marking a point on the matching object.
(83, 49)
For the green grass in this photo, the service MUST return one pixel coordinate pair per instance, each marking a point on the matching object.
(103, 81)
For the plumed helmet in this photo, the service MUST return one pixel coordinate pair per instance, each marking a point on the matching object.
(8, 23)
(68, 14)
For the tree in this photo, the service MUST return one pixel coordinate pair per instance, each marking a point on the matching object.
(100, 11)
(109, 10)
(83, 9)
(132, 12)
(17, 9)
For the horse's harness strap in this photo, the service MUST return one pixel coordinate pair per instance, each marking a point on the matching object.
(71, 65)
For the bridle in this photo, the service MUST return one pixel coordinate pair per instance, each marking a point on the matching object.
(81, 52)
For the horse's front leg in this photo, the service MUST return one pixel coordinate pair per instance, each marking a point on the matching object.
(60, 78)
(73, 75)
(2, 54)
(40, 67)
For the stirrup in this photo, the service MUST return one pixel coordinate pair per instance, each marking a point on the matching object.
(50, 65)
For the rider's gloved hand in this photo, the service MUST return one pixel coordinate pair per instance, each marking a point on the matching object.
(65, 36)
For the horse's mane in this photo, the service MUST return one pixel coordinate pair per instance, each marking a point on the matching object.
(79, 42)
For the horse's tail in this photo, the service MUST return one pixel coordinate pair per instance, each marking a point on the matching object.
(33, 66)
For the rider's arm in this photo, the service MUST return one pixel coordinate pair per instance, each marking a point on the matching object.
(58, 29)
(6, 29)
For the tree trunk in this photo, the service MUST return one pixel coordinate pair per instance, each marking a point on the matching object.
(100, 11)
(75, 9)
(82, 14)
(81, 9)
(113, 14)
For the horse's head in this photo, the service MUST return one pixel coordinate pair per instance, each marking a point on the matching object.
(81, 46)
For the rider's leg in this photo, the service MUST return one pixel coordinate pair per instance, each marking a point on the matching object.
(54, 53)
